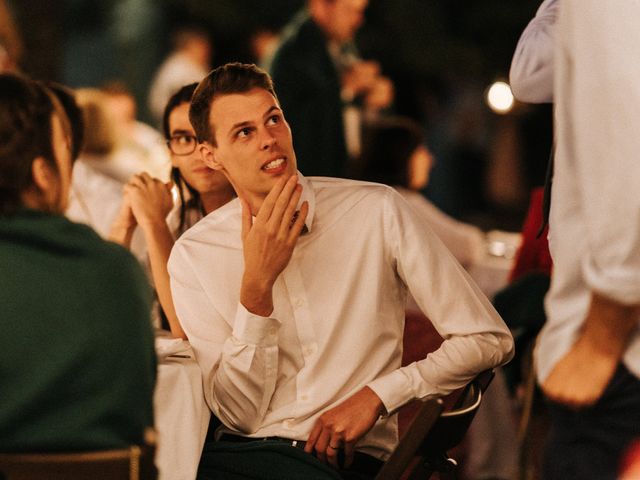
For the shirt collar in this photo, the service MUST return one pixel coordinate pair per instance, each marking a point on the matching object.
(309, 196)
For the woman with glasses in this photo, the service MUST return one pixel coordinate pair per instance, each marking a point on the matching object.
(148, 202)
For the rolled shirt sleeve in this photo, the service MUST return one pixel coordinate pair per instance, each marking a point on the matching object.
(531, 73)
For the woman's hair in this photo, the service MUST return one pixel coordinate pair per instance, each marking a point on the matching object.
(387, 147)
(189, 196)
(67, 99)
(26, 112)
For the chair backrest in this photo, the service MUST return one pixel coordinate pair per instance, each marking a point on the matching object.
(405, 452)
(433, 431)
(133, 463)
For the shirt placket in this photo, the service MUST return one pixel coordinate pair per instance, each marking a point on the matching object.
(304, 327)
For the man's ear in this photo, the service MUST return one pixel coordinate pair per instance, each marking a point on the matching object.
(208, 153)
(44, 178)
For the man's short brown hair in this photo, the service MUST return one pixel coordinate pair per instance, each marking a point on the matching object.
(224, 80)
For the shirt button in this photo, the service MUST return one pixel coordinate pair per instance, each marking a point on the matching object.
(304, 398)
(298, 302)
(273, 331)
(310, 350)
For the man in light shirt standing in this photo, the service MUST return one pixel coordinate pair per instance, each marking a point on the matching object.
(293, 298)
(588, 353)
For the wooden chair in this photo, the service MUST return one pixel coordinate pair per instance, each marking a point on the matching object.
(423, 448)
(133, 463)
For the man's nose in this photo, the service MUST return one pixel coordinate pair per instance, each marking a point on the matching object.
(267, 140)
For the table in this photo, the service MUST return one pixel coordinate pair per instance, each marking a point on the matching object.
(181, 414)
(491, 272)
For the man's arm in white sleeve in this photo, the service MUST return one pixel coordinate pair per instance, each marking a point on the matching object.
(239, 365)
(475, 337)
(531, 74)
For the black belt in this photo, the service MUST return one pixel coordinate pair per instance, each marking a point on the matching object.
(362, 463)
(230, 437)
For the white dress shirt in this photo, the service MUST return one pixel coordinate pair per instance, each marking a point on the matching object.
(595, 207)
(531, 74)
(338, 316)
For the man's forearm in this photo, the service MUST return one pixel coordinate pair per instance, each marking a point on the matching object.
(256, 296)
(609, 325)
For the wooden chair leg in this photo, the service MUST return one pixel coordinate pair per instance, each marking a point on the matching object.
(525, 418)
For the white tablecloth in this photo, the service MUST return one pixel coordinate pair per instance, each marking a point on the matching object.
(181, 414)
(491, 272)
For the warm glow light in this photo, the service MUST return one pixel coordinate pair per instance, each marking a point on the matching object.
(500, 98)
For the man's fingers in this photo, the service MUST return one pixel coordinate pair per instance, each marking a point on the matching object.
(321, 445)
(349, 450)
(283, 201)
(287, 220)
(334, 448)
(332, 456)
(313, 438)
(270, 200)
(246, 218)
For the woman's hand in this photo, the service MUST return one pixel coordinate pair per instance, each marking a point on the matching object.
(150, 199)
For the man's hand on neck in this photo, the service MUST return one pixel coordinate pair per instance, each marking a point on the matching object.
(268, 242)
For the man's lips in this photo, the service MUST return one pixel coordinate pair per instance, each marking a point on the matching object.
(275, 164)
(202, 170)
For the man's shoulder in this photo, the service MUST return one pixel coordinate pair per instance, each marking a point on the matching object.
(347, 186)
(221, 227)
(331, 192)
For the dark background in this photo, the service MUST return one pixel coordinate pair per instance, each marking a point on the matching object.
(441, 55)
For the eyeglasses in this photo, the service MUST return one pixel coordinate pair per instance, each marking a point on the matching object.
(182, 144)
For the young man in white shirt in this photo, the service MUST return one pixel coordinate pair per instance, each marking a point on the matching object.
(588, 353)
(293, 295)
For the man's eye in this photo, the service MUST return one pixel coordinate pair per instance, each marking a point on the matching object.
(184, 140)
(243, 132)
(273, 120)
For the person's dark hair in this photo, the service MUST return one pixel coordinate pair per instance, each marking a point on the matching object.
(387, 146)
(224, 80)
(67, 99)
(26, 110)
(189, 196)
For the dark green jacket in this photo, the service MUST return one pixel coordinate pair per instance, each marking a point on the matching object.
(77, 365)
(308, 87)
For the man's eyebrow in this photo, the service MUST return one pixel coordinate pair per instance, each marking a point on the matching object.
(238, 125)
(248, 123)
(273, 107)
(181, 132)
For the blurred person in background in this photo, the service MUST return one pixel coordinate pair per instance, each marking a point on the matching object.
(10, 42)
(141, 146)
(325, 87)
(189, 61)
(148, 202)
(96, 193)
(77, 356)
(394, 153)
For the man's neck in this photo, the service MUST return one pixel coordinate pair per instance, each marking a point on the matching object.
(213, 200)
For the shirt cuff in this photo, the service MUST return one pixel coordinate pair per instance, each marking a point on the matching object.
(394, 389)
(253, 329)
